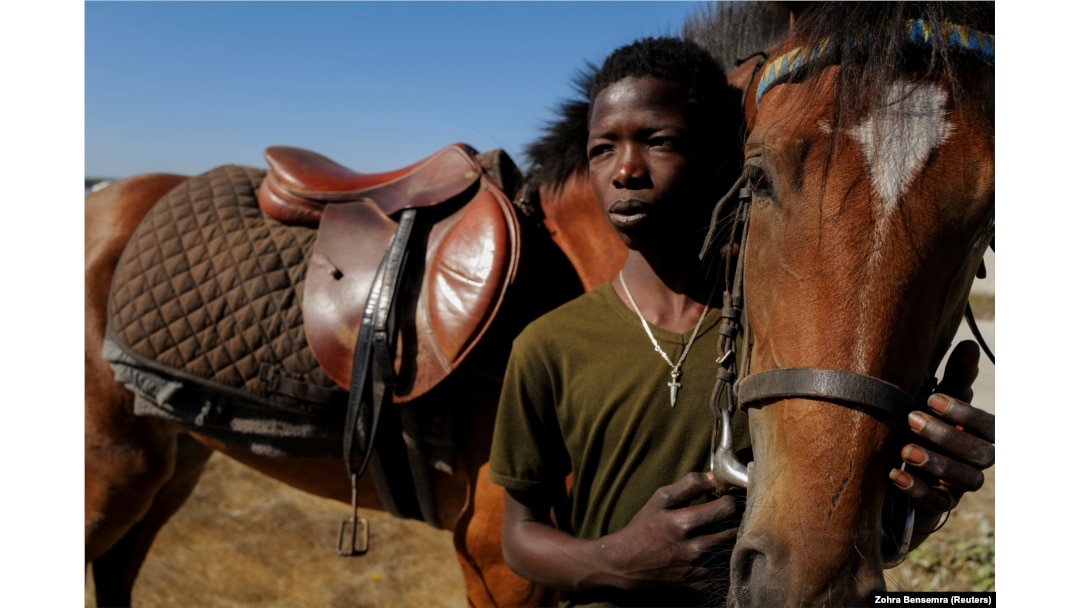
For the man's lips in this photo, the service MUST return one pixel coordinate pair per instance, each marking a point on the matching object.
(626, 214)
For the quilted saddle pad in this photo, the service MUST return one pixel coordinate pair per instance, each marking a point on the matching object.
(206, 325)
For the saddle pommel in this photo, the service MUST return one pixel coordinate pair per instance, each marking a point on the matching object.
(300, 183)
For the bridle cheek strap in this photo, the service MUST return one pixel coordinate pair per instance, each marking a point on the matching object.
(854, 390)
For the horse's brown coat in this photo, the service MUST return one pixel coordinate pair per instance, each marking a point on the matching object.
(139, 470)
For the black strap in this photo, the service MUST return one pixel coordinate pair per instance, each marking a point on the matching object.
(277, 380)
(398, 471)
(974, 327)
(375, 343)
(852, 389)
(416, 457)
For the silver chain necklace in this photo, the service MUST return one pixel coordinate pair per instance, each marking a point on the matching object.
(676, 368)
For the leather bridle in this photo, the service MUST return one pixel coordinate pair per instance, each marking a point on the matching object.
(737, 388)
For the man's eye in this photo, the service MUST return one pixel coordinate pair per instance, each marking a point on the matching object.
(598, 150)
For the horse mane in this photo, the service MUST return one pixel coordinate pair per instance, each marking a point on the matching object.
(734, 31)
(559, 153)
(876, 51)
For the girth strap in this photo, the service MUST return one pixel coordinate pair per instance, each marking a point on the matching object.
(857, 390)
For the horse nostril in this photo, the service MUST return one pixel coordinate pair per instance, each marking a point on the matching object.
(743, 566)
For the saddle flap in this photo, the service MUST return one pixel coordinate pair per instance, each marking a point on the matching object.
(469, 270)
(457, 275)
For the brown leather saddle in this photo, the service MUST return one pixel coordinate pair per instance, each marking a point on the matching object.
(470, 253)
(408, 271)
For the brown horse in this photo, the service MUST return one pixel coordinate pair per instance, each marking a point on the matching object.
(139, 469)
(869, 168)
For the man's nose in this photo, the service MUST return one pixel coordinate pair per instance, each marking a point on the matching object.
(630, 170)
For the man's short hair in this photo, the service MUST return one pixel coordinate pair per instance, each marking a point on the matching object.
(672, 59)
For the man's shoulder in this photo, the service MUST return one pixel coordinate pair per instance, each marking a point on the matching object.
(582, 309)
(568, 322)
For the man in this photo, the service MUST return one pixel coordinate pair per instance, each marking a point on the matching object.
(612, 387)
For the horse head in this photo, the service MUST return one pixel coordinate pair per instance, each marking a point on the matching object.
(869, 193)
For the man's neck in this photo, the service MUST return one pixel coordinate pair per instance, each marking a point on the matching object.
(669, 295)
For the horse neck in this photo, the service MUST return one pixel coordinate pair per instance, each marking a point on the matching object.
(582, 231)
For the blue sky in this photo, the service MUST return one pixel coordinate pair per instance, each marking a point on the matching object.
(187, 86)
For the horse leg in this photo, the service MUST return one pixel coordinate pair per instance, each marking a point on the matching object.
(115, 570)
(478, 541)
(127, 459)
(138, 471)
(477, 527)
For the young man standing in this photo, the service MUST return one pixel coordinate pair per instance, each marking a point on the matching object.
(611, 388)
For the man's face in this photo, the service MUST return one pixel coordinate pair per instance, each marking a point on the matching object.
(646, 164)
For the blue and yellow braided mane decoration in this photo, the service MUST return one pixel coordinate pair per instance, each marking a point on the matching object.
(956, 37)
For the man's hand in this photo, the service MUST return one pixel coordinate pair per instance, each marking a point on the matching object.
(953, 447)
(671, 542)
(668, 542)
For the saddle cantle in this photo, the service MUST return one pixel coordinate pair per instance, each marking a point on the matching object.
(465, 252)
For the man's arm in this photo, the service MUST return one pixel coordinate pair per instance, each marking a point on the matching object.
(666, 543)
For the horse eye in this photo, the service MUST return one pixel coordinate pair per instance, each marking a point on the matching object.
(758, 179)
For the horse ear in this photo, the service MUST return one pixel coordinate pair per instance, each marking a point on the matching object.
(793, 8)
(739, 77)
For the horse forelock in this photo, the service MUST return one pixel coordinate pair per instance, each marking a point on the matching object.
(870, 49)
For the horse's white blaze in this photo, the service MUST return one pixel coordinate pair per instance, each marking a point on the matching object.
(899, 135)
(897, 138)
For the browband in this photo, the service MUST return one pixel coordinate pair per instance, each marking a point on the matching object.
(956, 37)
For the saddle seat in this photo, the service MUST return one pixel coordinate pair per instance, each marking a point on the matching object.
(300, 183)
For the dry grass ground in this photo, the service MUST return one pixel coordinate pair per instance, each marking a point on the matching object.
(245, 540)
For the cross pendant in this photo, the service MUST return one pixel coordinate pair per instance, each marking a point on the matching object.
(674, 386)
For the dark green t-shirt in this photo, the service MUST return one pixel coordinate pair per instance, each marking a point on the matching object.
(586, 393)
